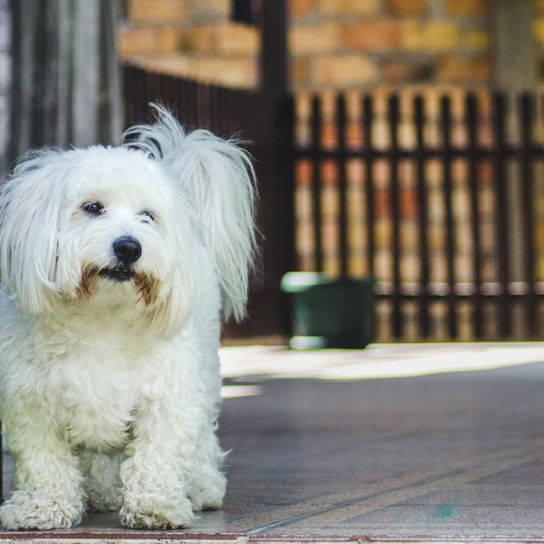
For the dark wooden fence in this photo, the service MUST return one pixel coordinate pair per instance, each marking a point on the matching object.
(439, 197)
(265, 122)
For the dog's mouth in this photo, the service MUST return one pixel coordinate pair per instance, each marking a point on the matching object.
(147, 286)
(119, 274)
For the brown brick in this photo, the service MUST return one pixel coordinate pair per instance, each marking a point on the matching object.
(411, 35)
(158, 10)
(468, 7)
(328, 134)
(476, 38)
(312, 39)
(354, 132)
(381, 204)
(210, 10)
(134, 41)
(453, 69)
(344, 71)
(328, 172)
(225, 39)
(300, 8)
(299, 72)
(147, 41)
(436, 36)
(406, 7)
(407, 71)
(441, 36)
(233, 72)
(237, 39)
(371, 35)
(347, 7)
(303, 173)
(238, 73)
(200, 39)
(408, 204)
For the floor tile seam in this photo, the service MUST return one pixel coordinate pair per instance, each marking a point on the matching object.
(364, 498)
(424, 489)
(339, 498)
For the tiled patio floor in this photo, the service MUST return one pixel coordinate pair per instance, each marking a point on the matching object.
(396, 443)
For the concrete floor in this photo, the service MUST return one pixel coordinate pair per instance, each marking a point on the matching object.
(392, 444)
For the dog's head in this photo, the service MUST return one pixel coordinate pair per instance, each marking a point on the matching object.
(97, 224)
(126, 225)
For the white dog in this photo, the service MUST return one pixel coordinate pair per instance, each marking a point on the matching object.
(116, 264)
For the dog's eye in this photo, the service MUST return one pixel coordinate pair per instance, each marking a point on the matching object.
(148, 215)
(94, 208)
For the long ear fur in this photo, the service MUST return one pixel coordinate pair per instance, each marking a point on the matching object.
(218, 178)
(30, 207)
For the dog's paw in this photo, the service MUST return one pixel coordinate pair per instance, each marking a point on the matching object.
(207, 492)
(97, 502)
(27, 511)
(142, 513)
(101, 482)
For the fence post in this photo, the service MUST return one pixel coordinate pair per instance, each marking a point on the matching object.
(274, 168)
(276, 179)
(273, 65)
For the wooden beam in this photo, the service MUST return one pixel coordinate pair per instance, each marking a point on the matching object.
(274, 46)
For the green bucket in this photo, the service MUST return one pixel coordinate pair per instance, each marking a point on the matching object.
(327, 313)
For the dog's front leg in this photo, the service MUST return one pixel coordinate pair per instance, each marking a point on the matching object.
(159, 459)
(48, 492)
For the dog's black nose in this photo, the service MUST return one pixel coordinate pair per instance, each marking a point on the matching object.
(127, 249)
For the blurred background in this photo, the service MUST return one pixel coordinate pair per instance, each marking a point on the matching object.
(398, 140)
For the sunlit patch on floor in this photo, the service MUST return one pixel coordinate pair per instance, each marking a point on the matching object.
(378, 361)
(237, 391)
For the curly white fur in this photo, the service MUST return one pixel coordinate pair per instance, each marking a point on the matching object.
(110, 387)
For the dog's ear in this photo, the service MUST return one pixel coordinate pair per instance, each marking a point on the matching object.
(217, 177)
(30, 206)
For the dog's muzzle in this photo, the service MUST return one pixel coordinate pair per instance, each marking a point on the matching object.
(127, 250)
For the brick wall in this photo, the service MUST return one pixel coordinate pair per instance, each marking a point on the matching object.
(190, 38)
(333, 43)
(353, 43)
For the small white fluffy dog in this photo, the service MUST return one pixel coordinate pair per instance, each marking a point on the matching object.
(116, 265)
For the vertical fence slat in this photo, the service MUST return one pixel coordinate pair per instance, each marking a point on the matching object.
(153, 92)
(526, 113)
(446, 122)
(501, 212)
(315, 127)
(182, 91)
(368, 117)
(472, 120)
(174, 99)
(141, 82)
(203, 106)
(341, 123)
(192, 112)
(393, 121)
(423, 218)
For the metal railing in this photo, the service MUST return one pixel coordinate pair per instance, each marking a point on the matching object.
(436, 196)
